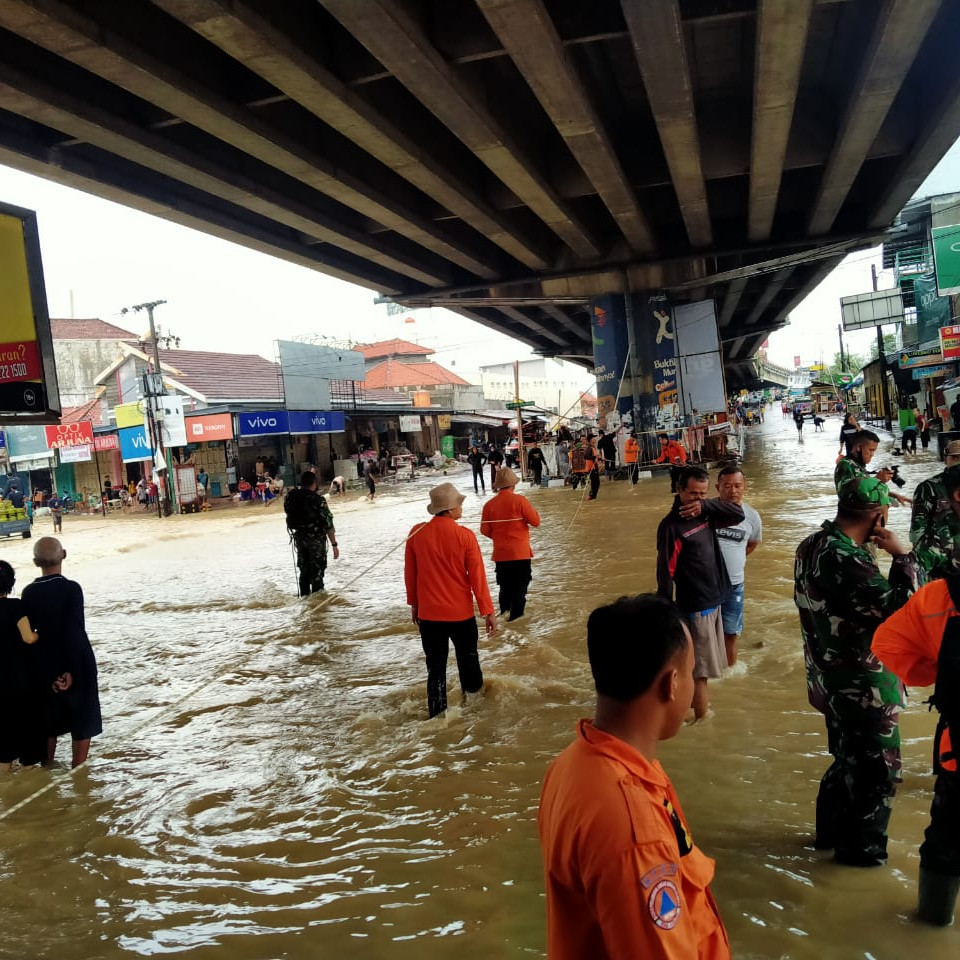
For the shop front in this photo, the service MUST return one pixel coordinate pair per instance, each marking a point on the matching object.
(285, 441)
(30, 458)
(210, 445)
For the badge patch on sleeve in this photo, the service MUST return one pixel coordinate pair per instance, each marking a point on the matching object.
(664, 904)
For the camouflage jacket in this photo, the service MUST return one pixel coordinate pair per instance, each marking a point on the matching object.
(308, 515)
(842, 597)
(935, 529)
(847, 469)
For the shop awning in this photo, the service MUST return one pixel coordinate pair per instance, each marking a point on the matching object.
(476, 419)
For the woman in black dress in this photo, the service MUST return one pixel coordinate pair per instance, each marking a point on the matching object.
(22, 735)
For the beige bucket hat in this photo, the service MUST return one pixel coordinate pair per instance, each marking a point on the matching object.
(952, 449)
(505, 478)
(444, 497)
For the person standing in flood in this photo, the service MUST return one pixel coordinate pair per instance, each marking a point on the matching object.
(935, 520)
(476, 459)
(310, 524)
(842, 597)
(688, 558)
(443, 573)
(506, 520)
(67, 667)
(623, 877)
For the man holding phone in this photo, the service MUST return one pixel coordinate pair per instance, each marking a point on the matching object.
(842, 598)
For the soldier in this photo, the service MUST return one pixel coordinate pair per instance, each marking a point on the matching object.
(862, 448)
(310, 524)
(935, 523)
(842, 598)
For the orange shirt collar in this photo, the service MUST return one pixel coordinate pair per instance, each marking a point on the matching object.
(622, 752)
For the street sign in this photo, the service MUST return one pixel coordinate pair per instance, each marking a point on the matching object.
(872, 309)
(516, 404)
(946, 258)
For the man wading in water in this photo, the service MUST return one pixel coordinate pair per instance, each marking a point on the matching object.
(310, 523)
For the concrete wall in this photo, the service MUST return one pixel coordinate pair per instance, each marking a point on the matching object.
(78, 363)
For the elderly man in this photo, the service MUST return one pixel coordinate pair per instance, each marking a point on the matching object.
(935, 520)
(443, 572)
(842, 597)
(65, 659)
(506, 520)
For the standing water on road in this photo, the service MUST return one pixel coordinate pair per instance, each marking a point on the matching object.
(268, 785)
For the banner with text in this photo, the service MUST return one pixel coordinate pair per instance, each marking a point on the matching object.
(946, 258)
(950, 342)
(608, 327)
(134, 444)
(410, 424)
(69, 435)
(213, 426)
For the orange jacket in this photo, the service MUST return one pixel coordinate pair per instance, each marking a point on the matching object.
(506, 520)
(908, 641)
(631, 450)
(443, 571)
(623, 876)
(673, 452)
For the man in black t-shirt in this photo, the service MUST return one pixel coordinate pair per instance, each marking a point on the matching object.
(535, 460)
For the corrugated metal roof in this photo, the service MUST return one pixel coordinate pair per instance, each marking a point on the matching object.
(224, 376)
(88, 329)
(391, 348)
(393, 373)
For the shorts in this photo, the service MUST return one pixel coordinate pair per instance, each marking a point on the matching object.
(709, 650)
(731, 610)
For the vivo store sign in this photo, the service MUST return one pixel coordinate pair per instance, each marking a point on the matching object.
(267, 422)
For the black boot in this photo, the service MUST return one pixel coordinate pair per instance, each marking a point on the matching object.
(937, 898)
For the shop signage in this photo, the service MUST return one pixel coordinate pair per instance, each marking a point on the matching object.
(950, 342)
(262, 423)
(129, 414)
(946, 259)
(169, 418)
(316, 421)
(76, 454)
(105, 442)
(443, 421)
(941, 370)
(134, 445)
(919, 358)
(27, 443)
(3, 440)
(216, 426)
(410, 424)
(62, 435)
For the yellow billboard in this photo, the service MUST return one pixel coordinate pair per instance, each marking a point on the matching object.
(28, 385)
(129, 414)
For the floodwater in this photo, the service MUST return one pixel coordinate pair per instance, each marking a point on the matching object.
(268, 785)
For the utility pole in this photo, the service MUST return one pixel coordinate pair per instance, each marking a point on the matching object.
(881, 356)
(516, 397)
(843, 362)
(156, 428)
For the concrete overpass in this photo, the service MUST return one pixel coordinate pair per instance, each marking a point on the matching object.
(505, 158)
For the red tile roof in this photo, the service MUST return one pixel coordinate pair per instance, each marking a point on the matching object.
(91, 410)
(224, 376)
(392, 348)
(392, 373)
(92, 329)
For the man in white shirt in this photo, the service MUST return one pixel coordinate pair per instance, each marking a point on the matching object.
(736, 544)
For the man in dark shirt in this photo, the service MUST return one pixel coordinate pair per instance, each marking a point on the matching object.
(607, 446)
(495, 460)
(955, 413)
(535, 461)
(688, 558)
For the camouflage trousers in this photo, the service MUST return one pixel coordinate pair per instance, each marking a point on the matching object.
(856, 793)
(312, 561)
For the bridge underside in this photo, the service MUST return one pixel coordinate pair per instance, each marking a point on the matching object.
(505, 158)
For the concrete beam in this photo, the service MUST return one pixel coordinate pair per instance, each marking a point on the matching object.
(774, 286)
(656, 32)
(568, 323)
(53, 108)
(901, 27)
(387, 30)
(525, 29)
(86, 42)
(730, 301)
(518, 316)
(781, 38)
(243, 34)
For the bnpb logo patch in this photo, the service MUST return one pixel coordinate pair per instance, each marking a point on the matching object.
(664, 905)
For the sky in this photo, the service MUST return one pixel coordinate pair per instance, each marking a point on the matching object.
(99, 257)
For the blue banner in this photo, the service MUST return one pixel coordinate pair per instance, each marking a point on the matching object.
(134, 444)
(316, 421)
(608, 326)
(262, 422)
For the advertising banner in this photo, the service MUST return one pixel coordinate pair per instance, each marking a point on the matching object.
(933, 312)
(169, 417)
(78, 454)
(316, 421)
(28, 379)
(700, 381)
(27, 443)
(106, 441)
(129, 414)
(946, 259)
(134, 444)
(919, 358)
(941, 370)
(950, 342)
(410, 424)
(443, 421)
(216, 426)
(69, 435)
(608, 326)
(262, 423)
(657, 362)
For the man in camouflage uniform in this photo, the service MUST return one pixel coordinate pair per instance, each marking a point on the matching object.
(862, 448)
(842, 598)
(310, 524)
(935, 523)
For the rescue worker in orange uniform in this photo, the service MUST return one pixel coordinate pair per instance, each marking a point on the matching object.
(506, 520)
(631, 456)
(921, 644)
(674, 453)
(624, 878)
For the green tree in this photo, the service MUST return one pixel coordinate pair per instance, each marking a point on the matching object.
(852, 363)
(889, 345)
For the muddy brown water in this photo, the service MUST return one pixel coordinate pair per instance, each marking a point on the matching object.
(268, 785)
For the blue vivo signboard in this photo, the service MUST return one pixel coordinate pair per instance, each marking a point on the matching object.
(134, 444)
(267, 422)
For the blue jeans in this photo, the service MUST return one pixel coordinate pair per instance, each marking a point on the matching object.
(731, 610)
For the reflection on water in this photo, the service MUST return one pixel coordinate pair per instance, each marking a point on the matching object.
(294, 799)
